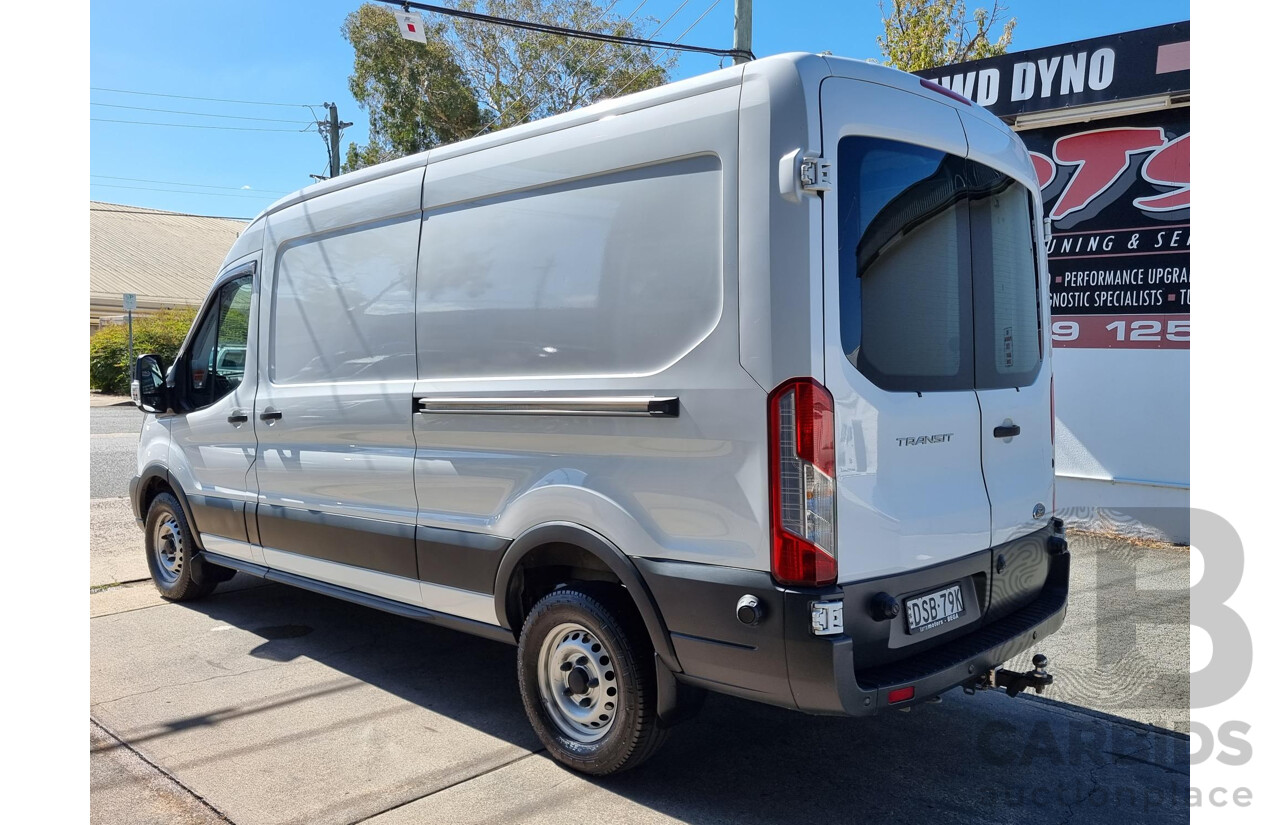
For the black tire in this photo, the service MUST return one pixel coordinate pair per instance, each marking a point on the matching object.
(177, 570)
(631, 734)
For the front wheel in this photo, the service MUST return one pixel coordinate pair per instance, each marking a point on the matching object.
(587, 679)
(177, 571)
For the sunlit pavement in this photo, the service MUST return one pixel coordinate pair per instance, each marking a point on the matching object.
(272, 704)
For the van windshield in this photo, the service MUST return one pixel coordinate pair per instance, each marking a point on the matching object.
(938, 282)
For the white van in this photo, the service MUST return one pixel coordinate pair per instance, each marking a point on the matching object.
(738, 384)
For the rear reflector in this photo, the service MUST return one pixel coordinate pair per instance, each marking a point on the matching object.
(902, 694)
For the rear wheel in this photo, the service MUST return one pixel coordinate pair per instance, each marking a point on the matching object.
(587, 680)
(177, 571)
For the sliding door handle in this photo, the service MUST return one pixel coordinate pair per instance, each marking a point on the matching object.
(271, 415)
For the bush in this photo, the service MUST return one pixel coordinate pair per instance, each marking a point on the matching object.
(160, 334)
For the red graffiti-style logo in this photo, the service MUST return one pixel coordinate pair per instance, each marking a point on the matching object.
(1046, 170)
(1101, 156)
(1170, 166)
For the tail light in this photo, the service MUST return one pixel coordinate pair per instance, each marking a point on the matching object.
(802, 483)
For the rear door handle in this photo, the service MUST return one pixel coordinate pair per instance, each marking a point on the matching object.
(271, 415)
(238, 417)
(1006, 431)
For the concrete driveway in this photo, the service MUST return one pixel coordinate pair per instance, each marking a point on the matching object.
(267, 704)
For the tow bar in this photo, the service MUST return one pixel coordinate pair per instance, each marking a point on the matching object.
(1014, 682)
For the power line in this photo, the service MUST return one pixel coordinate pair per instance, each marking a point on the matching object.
(613, 72)
(181, 192)
(210, 99)
(568, 32)
(690, 28)
(197, 114)
(182, 183)
(572, 50)
(198, 125)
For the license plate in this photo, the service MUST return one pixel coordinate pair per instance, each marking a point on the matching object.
(934, 609)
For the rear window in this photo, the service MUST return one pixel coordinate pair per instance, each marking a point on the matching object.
(938, 281)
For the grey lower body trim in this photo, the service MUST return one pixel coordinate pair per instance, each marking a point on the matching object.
(219, 516)
(409, 611)
(383, 546)
(458, 559)
(699, 602)
(455, 559)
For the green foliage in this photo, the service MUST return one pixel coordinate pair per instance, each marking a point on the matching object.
(923, 34)
(470, 77)
(415, 93)
(160, 334)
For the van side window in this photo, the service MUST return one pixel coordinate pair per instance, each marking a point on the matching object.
(216, 363)
(342, 306)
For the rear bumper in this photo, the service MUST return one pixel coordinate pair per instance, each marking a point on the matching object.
(1019, 590)
(826, 677)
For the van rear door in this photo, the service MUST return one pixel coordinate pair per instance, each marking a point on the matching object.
(1011, 344)
(899, 355)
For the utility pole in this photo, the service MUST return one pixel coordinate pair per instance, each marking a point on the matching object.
(741, 28)
(332, 130)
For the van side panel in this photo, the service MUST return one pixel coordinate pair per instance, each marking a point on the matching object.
(623, 233)
(780, 237)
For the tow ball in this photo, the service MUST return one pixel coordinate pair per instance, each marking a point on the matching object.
(1014, 682)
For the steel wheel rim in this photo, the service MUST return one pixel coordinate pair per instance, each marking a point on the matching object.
(168, 549)
(578, 682)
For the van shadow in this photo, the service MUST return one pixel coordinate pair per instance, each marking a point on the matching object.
(985, 757)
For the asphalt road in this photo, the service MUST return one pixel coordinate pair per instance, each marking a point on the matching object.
(266, 704)
(113, 450)
(114, 539)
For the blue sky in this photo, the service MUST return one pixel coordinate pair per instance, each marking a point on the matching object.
(292, 53)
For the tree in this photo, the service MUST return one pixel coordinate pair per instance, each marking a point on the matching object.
(160, 334)
(470, 77)
(415, 93)
(923, 34)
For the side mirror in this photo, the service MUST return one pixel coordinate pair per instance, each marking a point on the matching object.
(148, 389)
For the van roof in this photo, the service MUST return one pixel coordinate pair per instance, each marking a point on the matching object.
(792, 62)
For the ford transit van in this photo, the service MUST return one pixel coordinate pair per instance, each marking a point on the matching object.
(740, 384)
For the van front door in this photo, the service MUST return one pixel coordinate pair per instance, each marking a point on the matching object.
(899, 332)
(213, 441)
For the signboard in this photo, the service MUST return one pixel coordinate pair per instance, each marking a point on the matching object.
(1118, 194)
(130, 301)
(1134, 64)
(411, 26)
